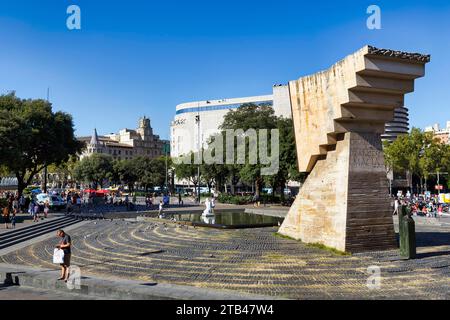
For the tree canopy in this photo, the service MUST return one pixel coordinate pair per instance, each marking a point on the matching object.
(95, 170)
(419, 154)
(32, 136)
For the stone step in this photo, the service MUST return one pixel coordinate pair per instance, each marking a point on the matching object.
(118, 289)
(29, 234)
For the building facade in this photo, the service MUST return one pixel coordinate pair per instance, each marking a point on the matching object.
(399, 126)
(443, 134)
(126, 144)
(188, 133)
(186, 130)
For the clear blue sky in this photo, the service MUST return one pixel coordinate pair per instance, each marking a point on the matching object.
(135, 58)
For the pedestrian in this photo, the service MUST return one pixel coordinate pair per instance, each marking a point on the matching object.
(46, 209)
(31, 208)
(213, 203)
(396, 207)
(78, 203)
(127, 201)
(180, 199)
(13, 221)
(161, 209)
(36, 212)
(15, 205)
(22, 203)
(65, 245)
(6, 217)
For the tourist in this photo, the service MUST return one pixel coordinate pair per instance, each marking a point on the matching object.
(78, 203)
(36, 212)
(396, 207)
(440, 210)
(6, 217)
(22, 203)
(13, 221)
(161, 208)
(65, 245)
(31, 208)
(213, 203)
(127, 201)
(46, 209)
(180, 200)
(15, 205)
(148, 201)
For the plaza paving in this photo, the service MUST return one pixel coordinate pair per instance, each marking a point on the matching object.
(250, 260)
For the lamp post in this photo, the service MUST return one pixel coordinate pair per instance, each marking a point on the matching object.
(45, 167)
(438, 180)
(197, 120)
(166, 151)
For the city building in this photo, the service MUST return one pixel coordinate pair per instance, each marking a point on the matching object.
(397, 127)
(127, 144)
(442, 134)
(185, 129)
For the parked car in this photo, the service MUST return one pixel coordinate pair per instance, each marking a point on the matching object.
(55, 202)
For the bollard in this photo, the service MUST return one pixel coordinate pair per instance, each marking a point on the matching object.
(407, 231)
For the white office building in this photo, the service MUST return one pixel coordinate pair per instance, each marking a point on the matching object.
(185, 130)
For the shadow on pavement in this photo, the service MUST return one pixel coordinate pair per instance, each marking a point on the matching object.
(431, 239)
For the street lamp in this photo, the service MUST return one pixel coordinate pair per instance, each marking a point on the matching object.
(45, 167)
(197, 120)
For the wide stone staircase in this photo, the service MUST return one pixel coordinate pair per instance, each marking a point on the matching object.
(17, 236)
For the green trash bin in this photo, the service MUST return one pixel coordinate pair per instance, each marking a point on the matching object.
(407, 231)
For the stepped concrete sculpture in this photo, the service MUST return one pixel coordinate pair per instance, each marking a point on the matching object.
(339, 116)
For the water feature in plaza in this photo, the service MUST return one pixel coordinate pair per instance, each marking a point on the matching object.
(227, 220)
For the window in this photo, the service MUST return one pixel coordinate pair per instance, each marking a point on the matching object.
(220, 107)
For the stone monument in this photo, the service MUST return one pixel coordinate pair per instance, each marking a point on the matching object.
(339, 116)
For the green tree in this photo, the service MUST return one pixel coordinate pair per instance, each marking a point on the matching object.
(432, 159)
(250, 116)
(95, 169)
(127, 172)
(185, 169)
(288, 170)
(157, 171)
(64, 170)
(32, 136)
(417, 153)
(4, 171)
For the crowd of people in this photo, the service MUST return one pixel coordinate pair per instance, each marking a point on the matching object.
(12, 205)
(425, 205)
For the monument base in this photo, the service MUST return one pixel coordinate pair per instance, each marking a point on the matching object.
(344, 202)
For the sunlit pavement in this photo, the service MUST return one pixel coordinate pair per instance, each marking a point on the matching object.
(250, 261)
(24, 293)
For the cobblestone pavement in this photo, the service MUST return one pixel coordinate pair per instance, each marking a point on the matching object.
(250, 260)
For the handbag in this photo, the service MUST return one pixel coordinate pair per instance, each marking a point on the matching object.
(58, 256)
